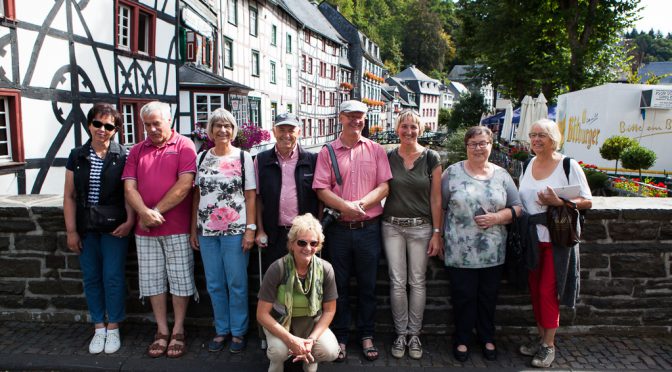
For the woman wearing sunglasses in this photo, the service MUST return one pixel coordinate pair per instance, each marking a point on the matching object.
(476, 195)
(297, 301)
(94, 190)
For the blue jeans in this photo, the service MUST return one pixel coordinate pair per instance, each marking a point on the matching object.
(103, 264)
(354, 252)
(225, 266)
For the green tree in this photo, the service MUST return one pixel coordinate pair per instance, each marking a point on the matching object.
(425, 44)
(455, 147)
(467, 112)
(444, 117)
(638, 157)
(613, 147)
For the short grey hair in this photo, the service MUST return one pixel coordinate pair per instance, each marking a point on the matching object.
(222, 115)
(551, 128)
(304, 223)
(162, 107)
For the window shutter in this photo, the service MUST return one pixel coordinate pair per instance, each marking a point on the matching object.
(191, 46)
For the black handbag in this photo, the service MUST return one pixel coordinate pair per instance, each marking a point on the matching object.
(516, 269)
(104, 218)
(562, 225)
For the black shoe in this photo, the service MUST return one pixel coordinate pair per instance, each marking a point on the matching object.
(488, 354)
(461, 356)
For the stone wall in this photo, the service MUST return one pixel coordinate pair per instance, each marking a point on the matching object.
(626, 273)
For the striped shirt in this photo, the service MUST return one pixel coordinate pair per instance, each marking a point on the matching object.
(94, 177)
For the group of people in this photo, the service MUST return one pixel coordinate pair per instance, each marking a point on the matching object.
(221, 203)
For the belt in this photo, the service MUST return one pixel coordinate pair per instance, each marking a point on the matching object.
(355, 225)
(407, 222)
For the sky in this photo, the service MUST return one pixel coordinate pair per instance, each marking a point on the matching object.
(656, 15)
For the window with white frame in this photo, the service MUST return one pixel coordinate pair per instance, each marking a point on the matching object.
(205, 104)
(274, 35)
(228, 53)
(232, 16)
(272, 72)
(5, 131)
(255, 63)
(132, 128)
(135, 27)
(254, 21)
(289, 76)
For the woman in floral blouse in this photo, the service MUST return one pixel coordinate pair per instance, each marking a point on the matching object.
(223, 228)
(475, 195)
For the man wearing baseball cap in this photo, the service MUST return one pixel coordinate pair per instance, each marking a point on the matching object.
(354, 241)
(287, 172)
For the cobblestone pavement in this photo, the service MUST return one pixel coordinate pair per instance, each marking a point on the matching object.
(53, 346)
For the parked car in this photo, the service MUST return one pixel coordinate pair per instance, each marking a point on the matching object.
(431, 138)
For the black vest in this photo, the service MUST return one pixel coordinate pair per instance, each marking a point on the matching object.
(111, 185)
(270, 182)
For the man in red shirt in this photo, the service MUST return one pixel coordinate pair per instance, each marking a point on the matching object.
(158, 178)
(354, 241)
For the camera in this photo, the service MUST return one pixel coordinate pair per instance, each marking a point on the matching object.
(328, 217)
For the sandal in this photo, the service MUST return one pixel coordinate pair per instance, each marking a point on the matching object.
(367, 351)
(177, 349)
(156, 350)
(342, 354)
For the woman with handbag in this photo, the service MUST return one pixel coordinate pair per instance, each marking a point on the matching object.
(98, 221)
(476, 195)
(411, 230)
(223, 228)
(554, 266)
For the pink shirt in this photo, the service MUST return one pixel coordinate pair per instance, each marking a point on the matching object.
(363, 167)
(156, 170)
(289, 204)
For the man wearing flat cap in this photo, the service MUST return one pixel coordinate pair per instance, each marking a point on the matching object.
(286, 191)
(354, 241)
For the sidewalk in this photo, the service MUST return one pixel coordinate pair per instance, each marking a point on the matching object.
(41, 346)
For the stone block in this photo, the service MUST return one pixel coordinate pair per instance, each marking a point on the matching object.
(594, 230)
(619, 303)
(20, 268)
(514, 316)
(73, 262)
(638, 266)
(594, 261)
(44, 243)
(16, 211)
(437, 316)
(647, 214)
(23, 303)
(51, 223)
(71, 274)
(55, 262)
(48, 211)
(657, 316)
(655, 288)
(603, 287)
(55, 287)
(12, 287)
(4, 243)
(72, 303)
(18, 225)
(634, 230)
(603, 214)
(438, 289)
(666, 231)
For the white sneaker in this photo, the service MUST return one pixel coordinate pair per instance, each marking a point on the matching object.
(97, 343)
(113, 341)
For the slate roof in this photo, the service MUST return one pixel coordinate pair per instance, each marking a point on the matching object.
(412, 73)
(308, 14)
(191, 76)
(461, 72)
(656, 69)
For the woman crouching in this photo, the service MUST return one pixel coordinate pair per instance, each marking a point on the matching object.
(297, 301)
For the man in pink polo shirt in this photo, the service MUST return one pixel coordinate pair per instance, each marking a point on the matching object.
(354, 242)
(158, 178)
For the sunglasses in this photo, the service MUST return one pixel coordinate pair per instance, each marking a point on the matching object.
(303, 243)
(108, 127)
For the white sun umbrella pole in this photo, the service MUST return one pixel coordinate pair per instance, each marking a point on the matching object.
(526, 117)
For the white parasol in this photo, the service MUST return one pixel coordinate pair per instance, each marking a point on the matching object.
(526, 118)
(540, 108)
(508, 123)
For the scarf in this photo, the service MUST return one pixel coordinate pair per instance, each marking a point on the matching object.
(313, 288)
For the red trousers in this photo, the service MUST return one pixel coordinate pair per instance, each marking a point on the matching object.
(543, 289)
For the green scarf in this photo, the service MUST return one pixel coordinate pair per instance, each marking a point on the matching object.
(313, 289)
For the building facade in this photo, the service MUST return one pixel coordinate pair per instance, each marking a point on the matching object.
(426, 94)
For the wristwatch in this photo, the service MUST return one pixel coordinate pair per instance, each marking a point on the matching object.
(251, 226)
(436, 230)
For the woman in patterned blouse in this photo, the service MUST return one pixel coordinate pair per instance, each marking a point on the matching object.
(223, 228)
(475, 196)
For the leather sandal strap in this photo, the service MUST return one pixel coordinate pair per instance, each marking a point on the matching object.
(160, 336)
(178, 337)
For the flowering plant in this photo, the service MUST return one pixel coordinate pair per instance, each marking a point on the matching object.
(373, 77)
(250, 135)
(347, 86)
(373, 102)
(199, 134)
(375, 129)
(647, 187)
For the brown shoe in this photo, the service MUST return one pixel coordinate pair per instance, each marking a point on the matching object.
(156, 349)
(178, 348)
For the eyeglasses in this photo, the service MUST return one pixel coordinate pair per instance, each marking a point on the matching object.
(303, 243)
(538, 135)
(474, 145)
(108, 127)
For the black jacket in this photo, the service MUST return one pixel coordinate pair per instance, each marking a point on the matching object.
(270, 180)
(111, 185)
